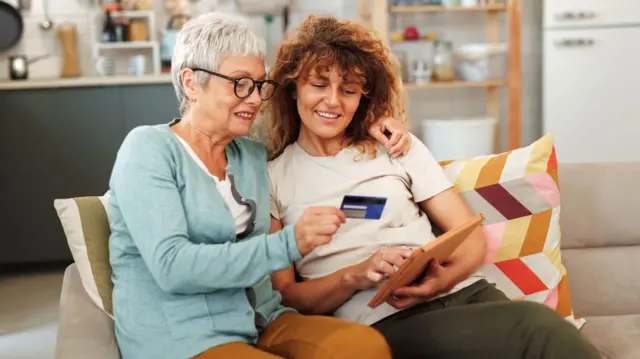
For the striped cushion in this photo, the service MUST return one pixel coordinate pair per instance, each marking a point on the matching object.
(518, 193)
(86, 226)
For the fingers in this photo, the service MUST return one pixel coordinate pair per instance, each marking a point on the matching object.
(380, 270)
(326, 211)
(396, 256)
(376, 133)
(384, 267)
(401, 147)
(426, 289)
(324, 229)
(396, 136)
(402, 303)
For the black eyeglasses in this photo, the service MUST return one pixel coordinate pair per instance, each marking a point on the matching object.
(243, 86)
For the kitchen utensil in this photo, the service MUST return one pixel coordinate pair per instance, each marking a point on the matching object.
(68, 38)
(25, 4)
(11, 25)
(47, 23)
(19, 66)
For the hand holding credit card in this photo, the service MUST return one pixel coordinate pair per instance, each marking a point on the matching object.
(363, 207)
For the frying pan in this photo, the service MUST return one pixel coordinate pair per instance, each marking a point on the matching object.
(11, 25)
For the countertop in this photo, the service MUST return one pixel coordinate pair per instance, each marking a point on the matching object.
(84, 82)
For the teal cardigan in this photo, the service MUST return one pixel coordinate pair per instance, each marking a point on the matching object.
(183, 282)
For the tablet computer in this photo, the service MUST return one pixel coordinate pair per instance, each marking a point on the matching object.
(440, 249)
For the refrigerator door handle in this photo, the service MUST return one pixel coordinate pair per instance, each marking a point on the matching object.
(575, 42)
(577, 15)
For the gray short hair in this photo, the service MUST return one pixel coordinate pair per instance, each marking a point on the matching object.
(205, 41)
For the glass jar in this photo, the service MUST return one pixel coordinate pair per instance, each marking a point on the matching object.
(443, 67)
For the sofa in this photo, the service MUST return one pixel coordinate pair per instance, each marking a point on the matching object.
(600, 223)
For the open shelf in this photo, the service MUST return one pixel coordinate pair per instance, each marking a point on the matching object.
(127, 44)
(133, 14)
(378, 14)
(455, 84)
(435, 8)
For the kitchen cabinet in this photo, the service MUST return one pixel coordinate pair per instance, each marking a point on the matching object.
(588, 13)
(61, 143)
(590, 98)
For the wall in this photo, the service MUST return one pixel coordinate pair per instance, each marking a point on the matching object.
(422, 103)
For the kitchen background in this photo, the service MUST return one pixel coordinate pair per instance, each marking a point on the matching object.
(459, 28)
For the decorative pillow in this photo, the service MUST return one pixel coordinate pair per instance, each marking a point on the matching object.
(86, 227)
(518, 193)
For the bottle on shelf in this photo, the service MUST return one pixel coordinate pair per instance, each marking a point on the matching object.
(109, 33)
(443, 67)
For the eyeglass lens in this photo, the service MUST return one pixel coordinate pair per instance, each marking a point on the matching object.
(245, 86)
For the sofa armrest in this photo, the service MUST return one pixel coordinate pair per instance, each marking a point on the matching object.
(84, 331)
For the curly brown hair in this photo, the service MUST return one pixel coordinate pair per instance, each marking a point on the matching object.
(319, 43)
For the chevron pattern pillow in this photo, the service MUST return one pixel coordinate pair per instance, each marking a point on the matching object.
(518, 193)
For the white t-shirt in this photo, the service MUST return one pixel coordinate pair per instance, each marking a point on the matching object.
(299, 180)
(240, 212)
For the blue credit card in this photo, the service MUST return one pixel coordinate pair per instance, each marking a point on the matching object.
(363, 207)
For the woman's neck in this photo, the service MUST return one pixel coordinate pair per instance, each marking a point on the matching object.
(317, 146)
(204, 137)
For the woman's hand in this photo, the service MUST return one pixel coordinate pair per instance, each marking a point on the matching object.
(379, 266)
(435, 281)
(316, 227)
(400, 141)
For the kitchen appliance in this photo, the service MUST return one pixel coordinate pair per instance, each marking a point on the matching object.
(19, 66)
(591, 80)
(11, 25)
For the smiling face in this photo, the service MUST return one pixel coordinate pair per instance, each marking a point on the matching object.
(327, 102)
(218, 102)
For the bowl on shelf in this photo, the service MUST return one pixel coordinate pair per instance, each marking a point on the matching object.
(481, 62)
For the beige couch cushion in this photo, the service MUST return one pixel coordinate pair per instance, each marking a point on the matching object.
(600, 205)
(616, 337)
(601, 236)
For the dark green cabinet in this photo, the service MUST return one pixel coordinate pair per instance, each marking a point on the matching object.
(61, 143)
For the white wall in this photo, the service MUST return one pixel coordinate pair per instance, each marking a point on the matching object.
(423, 103)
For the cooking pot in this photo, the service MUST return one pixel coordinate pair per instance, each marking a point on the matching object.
(19, 66)
(11, 25)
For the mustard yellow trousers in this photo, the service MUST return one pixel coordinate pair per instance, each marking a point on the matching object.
(294, 336)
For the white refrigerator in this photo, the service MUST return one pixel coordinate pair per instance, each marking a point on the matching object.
(591, 79)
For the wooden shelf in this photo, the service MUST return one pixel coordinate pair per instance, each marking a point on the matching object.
(377, 13)
(455, 84)
(433, 8)
(126, 44)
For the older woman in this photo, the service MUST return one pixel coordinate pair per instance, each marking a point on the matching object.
(337, 79)
(189, 211)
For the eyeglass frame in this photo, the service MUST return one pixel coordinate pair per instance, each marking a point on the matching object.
(237, 80)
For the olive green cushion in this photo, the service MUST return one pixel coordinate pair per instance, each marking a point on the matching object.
(86, 226)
